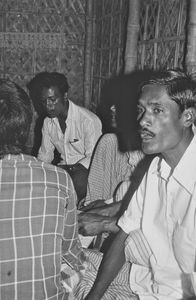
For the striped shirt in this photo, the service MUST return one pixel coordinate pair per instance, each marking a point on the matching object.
(38, 229)
(109, 168)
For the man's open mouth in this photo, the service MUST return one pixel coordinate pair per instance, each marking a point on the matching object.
(146, 135)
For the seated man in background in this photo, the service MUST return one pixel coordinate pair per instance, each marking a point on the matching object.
(158, 229)
(38, 218)
(71, 129)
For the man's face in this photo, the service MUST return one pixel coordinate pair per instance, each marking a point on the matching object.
(161, 125)
(53, 101)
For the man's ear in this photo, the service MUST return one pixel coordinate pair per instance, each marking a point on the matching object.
(189, 116)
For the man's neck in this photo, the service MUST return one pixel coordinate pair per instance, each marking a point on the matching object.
(174, 156)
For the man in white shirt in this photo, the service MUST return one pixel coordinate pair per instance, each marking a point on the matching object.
(71, 129)
(156, 243)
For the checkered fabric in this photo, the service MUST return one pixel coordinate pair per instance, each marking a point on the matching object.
(38, 229)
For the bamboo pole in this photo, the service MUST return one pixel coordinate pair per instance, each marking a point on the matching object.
(132, 35)
(88, 52)
(191, 39)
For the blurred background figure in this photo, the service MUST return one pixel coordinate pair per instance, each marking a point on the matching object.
(38, 228)
(70, 129)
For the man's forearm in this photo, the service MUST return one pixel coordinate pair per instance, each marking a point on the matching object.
(111, 264)
(93, 224)
(110, 225)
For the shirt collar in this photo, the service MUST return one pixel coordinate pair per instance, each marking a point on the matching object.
(184, 172)
(134, 157)
(160, 168)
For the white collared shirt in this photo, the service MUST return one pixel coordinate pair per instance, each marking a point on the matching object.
(164, 208)
(83, 128)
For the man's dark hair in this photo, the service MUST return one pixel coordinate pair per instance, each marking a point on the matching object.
(179, 85)
(15, 118)
(46, 80)
(123, 92)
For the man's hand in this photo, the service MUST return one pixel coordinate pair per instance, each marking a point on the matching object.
(107, 210)
(90, 224)
(73, 168)
(93, 224)
(92, 205)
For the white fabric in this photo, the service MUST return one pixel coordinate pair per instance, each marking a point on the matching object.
(164, 208)
(77, 143)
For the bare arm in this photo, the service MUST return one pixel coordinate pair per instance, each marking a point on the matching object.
(93, 224)
(111, 264)
(98, 220)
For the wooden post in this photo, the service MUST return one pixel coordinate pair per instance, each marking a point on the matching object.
(191, 39)
(88, 52)
(132, 35)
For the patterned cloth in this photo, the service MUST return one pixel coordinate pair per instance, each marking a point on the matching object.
(109, 168)
(137, 250)
(83, 128)
(38, 229)
(119, 288)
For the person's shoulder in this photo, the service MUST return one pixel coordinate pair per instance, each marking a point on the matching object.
(85, 112)
(50, 173)
(109, 138)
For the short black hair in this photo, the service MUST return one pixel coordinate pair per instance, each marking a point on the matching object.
(179, 85)
(15, 118)
(46, 80)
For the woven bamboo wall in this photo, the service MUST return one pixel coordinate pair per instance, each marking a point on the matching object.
(161, 41)
(50, 35)
(37, 35)
(110, 17)
(162, 33)
(43, 35)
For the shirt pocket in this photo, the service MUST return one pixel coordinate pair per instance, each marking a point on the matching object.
(77, 145)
